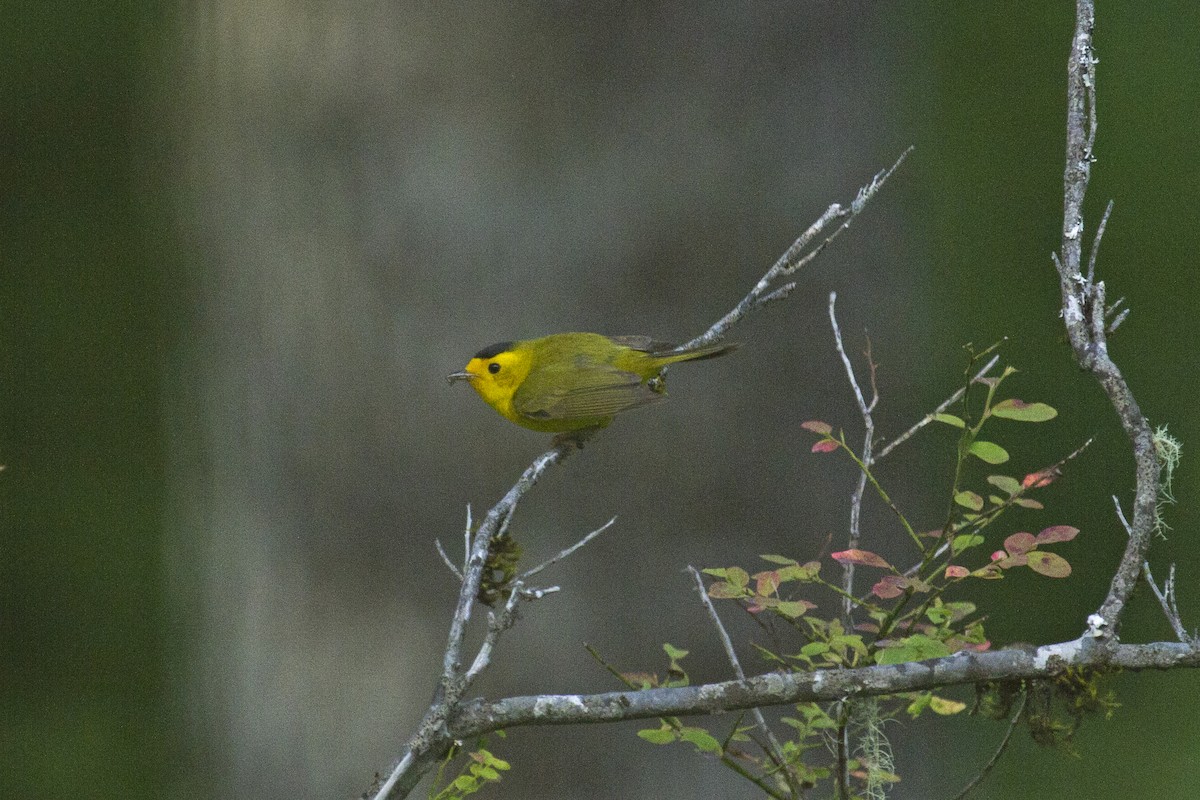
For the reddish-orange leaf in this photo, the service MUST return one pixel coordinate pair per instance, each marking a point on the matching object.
(825, 446)
(862, 557)
(1043, 477)
(1020, 543)
(955, 571)
(1057, 533)
(889, 586)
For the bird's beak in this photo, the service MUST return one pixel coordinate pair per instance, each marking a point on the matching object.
(460, 376)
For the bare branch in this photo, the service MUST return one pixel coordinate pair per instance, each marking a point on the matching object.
(773, 746)
(1091, 276)
(497, 625)
(1083, 313)
(477, 717)
(928, 418)
(1165, 595)
(856, 499)
(445, 558)
(795, 258)
(568, 551)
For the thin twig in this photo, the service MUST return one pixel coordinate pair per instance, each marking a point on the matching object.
(1165, 595)
(467, 538)
(941, 407)
(568, 551)
(987, 768)
(1091, 276)
(497, 625)
(450, 564)
(795, 258)
(856, 499)
(773, 746)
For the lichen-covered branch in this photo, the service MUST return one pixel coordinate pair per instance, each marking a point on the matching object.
(1084, 313)
(478, 716)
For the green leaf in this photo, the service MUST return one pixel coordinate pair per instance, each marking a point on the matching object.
(990, 452)
(673, 652)
(919, 704)
(1028, 502)
(793, 608)
(965, 541)
(737, 576)
(1049, 564)
(912, 648)
(950, 419)
(1021, 411)
(1004, 483)
(702, 739)
(814, 649)
(969, 500)
(941, 705)
(784, 560)
(715, 572)
(664, 735)
(722, 590)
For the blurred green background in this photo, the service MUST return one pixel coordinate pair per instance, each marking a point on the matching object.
(242, 243)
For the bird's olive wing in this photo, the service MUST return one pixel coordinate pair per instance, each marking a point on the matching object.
(643, 343)
(574, 393)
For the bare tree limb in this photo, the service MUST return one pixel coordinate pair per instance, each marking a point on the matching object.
(1083, 312)
(477, 716)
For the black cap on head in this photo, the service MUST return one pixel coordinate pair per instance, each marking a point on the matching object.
(494, 350)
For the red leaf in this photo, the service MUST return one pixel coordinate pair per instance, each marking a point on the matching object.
(1057, 533)
(955, 571)
(1043, 477)
(999, 554)
(890, 586)
(862, 557)
(1020, 543)
(825, 446)
(816, 426)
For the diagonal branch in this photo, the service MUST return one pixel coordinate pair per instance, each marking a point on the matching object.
(1083, 312)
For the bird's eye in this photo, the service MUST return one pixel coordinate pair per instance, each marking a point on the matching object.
(493, 367)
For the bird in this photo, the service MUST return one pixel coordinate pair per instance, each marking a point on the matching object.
(573, 384)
